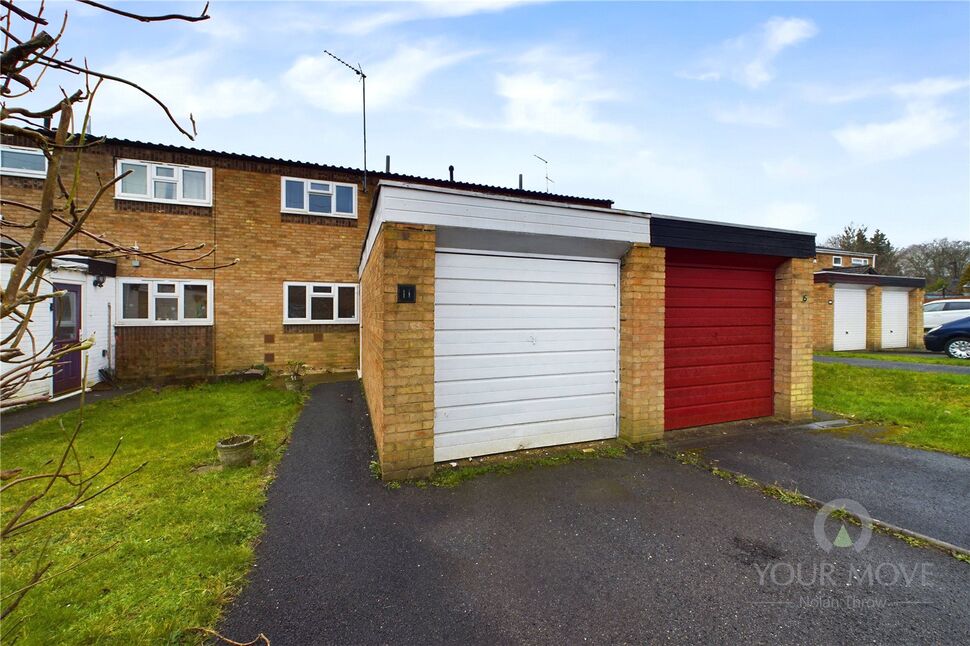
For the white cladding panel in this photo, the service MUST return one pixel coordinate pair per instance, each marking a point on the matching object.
(849, 330)
(895, 319)
(95, 322)
(525, 353)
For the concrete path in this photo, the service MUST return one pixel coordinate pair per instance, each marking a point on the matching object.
(634, 550)
(896, 365)
(30, 414)
(923, 491)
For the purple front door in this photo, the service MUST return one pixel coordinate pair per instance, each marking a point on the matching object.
(67, 331)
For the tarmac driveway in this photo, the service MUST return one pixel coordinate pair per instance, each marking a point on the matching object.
(922, 491)
(633, 550)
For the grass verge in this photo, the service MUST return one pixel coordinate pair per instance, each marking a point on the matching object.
(451, 476)
(792, 497)
(185, 538)
(933, 359)
(926, 410)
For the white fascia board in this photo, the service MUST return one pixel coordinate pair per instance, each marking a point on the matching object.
(431, 205)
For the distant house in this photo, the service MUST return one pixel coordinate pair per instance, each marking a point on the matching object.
(857, 308)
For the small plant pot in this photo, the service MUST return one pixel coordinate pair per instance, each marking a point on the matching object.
(236, 451)
(294, 385)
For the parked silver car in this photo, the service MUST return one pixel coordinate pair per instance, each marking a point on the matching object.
(936, 313)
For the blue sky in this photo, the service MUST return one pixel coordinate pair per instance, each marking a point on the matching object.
(793, 115)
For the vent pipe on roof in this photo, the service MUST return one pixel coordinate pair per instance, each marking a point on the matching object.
(451, 173)
(387, 163)
(520, 181)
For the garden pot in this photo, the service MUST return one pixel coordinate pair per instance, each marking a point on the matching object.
(236, 451)
(295, 385)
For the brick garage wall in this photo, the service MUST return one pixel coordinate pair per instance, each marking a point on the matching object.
(399, 350)
(244, 222)
(916, 297)
(874, 318)
(156, 351)
(642, 288)
(823, 316)
(793, 339)
(372, 338)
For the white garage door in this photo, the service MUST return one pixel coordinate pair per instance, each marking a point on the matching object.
(895, 319)
(525, 353)
(849, 332)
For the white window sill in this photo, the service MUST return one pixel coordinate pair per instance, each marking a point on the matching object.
(135, 198)
(307, 322)
(345, 216)
(8, 172)
(147, 323)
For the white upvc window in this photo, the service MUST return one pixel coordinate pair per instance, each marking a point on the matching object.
(316, 197)
(165, 183)
(163, 301)
(836, 261)
(860, 262)
(23, 162)
(319, 303)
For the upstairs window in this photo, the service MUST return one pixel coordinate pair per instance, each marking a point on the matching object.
(319, 303)
(164, 302)
(22, 162)
(312, 197)
(167, 183)
(860, 262)
(836, 261)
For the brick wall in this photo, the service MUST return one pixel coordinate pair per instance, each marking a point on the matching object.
(155, 351)
(874, 318)
(244, 222)
(372, 338)
(793, 339)
(823, 315)
(399, 348)
(916, 318)
(824, 260)
(642, 343)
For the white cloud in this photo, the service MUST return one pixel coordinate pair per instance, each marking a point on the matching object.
(553, 92)
(181, 83)
(929, 88)
(925, 122)
(429, 9)
(789, 168)
(748, 59)
(920, 128)
(328, 85)
(750, 115)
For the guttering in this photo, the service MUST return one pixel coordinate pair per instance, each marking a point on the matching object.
(875, 280)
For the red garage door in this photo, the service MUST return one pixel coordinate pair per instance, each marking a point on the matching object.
(719, 339)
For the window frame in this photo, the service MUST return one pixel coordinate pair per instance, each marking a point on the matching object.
(836, 261)
(860, 262)
(18, 172)
(335, 294)
(306, 197)
(179, 295)
(152, 176)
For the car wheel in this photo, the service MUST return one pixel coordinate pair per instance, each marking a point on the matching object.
(958, 348)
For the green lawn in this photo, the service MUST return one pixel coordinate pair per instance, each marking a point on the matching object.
(928, 410)
(185, 538)
(938, 359)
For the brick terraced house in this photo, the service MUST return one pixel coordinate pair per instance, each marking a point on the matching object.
(857, 308)
(480, 319)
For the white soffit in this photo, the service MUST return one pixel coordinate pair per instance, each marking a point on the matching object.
(446, 207)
